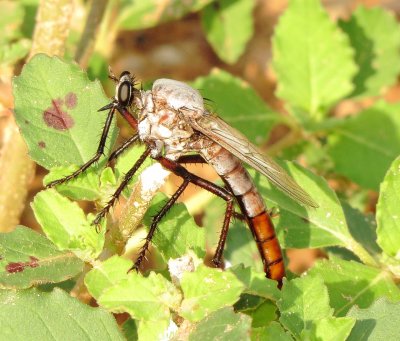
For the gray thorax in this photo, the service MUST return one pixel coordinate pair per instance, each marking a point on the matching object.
(164, 113)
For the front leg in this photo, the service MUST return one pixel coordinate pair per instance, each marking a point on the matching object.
(95, 158)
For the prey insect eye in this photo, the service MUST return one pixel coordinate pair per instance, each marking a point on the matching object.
(125, 89)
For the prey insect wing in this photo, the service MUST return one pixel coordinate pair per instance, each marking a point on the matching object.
(229, 138)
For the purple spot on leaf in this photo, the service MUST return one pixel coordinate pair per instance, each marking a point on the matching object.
(56, 118)
(42, 144)
(33, 263)
(71, 100)
(20, 266)
(58, 102)
(15, 267)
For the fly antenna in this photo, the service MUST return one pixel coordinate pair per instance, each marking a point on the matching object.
(111, 75)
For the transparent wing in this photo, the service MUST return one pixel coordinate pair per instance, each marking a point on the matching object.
(235, 142)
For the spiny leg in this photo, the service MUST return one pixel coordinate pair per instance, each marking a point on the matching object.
(116, 153)
(213, 188)
(95, 158)
(217, 259)
(171, 201)
(223, 193)
(229, 198)
(128, 176)
(196, 158)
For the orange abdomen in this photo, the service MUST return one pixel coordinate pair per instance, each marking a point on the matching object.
(268, 246)
(252, 206)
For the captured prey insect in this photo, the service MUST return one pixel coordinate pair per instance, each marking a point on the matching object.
(172, 121)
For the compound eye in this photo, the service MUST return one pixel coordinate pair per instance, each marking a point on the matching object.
(125, 75)
(125, 93)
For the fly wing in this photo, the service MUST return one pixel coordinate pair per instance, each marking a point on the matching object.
(235, 142)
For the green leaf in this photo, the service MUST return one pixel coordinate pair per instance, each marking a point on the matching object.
(98, 66)
(177, 232)
(10, 24)
(34, 315)
(332, 329)
(303, 300)
(214, 213)
(241, 248)
(135, 15)
(220, 23)
(310, 152)
(379, 322)
(106, 275)
(362, 227)
(223, 324)
(107, 178)
(364, 146)
(65, 225)
(248, 303)
(387, 211)
(144, 298)
(56, 110)
(263, 315)
(238, 104)
(11, 53)
(80, 188)
(322, 70)
(27, 258)
(207, 290)
(130, 330)
(300, 226)
(13, 46)
(29, 22)
(352, 283)
(108, 185)
(256, 283)
(272, 332)
(154, 330)
(374, 33)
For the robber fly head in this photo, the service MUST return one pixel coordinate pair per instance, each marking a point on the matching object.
(125, 89)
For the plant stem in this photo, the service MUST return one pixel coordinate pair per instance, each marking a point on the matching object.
(288, 140)
(108, 31)
(148, 185)
(88, 39)
(294, 135)
(79, 291)
(17, 171)
(52, 27)
(16, 168)
(363, 254)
